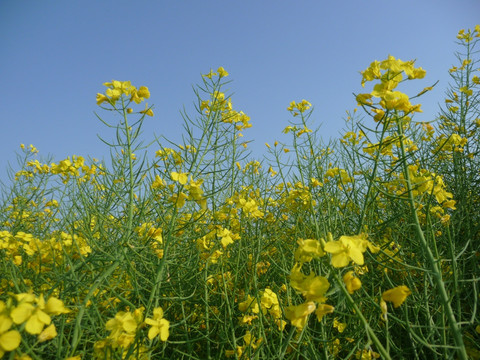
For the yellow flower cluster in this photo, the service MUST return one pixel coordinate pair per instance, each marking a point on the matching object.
(123, 330)
(219, 106)
(299, 108)
(116, 89)
(454, 143)
(312, 287)
(30, 313)
(268, 305)
(389, 73)
(42, 254)
(468, 35)
(71, 167)
(221, 72)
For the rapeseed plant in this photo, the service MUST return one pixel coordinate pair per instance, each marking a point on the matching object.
(202, 251)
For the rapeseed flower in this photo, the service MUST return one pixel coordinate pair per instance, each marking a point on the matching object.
(48, 333)
(396, 295)
(352, 283)
(298, 314)
(36, 316)
(250, 305)
(322, 310)
(312, 287)
(308, 249)
(269, 302)
(159, 325)
(339, 325)
(9, 339)
(345, 249)
(182, 178)
(148, 110)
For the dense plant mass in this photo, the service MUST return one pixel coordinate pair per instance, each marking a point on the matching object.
(363, 248)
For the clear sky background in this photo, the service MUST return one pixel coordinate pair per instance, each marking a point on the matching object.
(55, 55)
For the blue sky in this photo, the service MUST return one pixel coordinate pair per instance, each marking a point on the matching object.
(55, 55)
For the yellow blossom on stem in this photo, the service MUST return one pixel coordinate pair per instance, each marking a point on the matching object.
(101, 98)
(352, 282)
(269, 302)
(339, 325)
(364, 99)
(122, 322)
(312, 287)
(322, 310)
(158, 182)
(250, 305)
(300, 107)
(308, 249)
(48, 333)
(159, 325)
(383, 307)
(9, 339)
(396, 295)
(298, 314)
(143, 92)
(345, 249)
(210, 74)
(222, 72)
(182, 178)
(148, 110)
(34, 317)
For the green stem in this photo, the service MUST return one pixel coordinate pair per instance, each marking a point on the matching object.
(437, 275)
(130, 168)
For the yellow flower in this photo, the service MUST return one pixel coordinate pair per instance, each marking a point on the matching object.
(345, 249)
(301, 107)
(396, 295)
(383, 307)
(195, 192)
(34, 317)
(364, 99)
(352, 282)
(308, 249)
(143, 92)
(312, 287)
(48, 333)
(159, 325)
(269, 301)
(122, 324)
(9, 339)
(298, 314)
(250, 305)
(158, 182)
(322, 310)
(251, 340)
(210, 74)
(178, 199)
(139, 95)
(55, 306)
(339, 325)
(222, 72)
(182, 178)
(148, 111)
(101, 99)
(226, 237)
